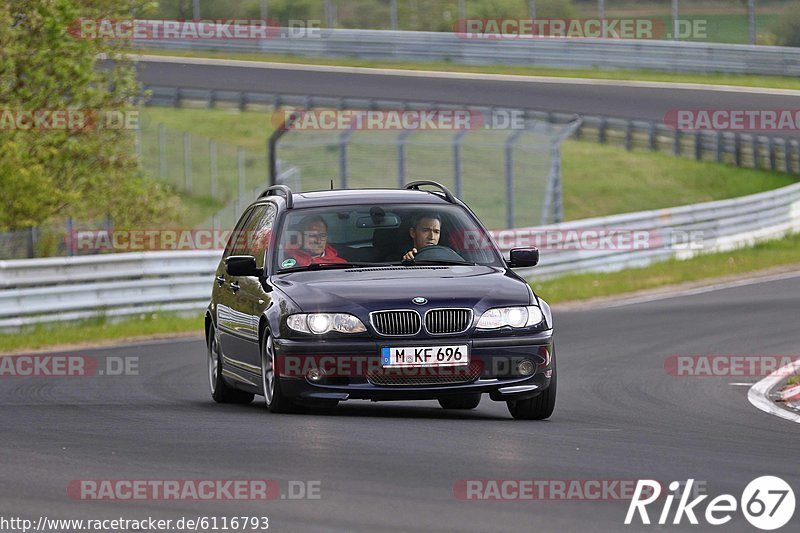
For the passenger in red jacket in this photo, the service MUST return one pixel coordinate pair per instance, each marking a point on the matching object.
(313, 246)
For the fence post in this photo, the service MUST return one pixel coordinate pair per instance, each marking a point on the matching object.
(240, 157)
(509, 168)
(754, 148)
(187, 161)
(676, 143)
(601, 133)
(70, 237)
(720, 143)
(771, 147)
(344, 138)
(212, 160)
(698, 146)
(652, 138)
(162, 151)
(457, 161)
(737, 148)
(401, 157)
(32, 238)
(628, 135)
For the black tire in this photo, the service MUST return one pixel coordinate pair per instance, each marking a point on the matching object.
(221, 391)
(539, 407)
(274, 399)
(466, 401)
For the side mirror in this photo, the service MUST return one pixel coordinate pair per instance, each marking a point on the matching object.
(523, 257)
(242, 265)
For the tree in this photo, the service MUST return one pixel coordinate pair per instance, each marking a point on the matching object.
(53, 173)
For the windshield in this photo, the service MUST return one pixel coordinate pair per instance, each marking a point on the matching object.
(382, 234)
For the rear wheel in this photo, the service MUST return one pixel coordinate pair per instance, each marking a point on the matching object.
(274, 399)
(466, 401)
(221, 391)
(539, 407)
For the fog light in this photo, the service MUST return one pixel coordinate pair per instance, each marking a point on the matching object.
(315, 374)
(526, 367)
(548, 374)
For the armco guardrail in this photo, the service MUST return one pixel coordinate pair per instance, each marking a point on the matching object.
(741, 149)
(66, 288)
(671, 56)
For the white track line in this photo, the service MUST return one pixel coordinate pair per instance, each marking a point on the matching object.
(462, 75)
(759, 393)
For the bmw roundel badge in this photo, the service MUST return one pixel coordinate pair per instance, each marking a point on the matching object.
(419, 300)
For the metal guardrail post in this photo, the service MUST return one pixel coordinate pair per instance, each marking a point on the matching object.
(754, 148)
(720, 143)
(676, 143)
(787, 156)
(212, 98)
(187, 161)
(601, 130)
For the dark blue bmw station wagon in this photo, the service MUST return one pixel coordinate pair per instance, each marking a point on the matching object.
(375, 294)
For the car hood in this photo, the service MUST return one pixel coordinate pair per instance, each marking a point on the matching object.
(362, 290)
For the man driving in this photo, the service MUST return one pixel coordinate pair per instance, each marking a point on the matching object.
(313, 246)
(425, 230)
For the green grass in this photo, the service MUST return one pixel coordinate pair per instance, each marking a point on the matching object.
(774, 82)
(99, 329)
(569, 287)
(794, 380)
(604, 180)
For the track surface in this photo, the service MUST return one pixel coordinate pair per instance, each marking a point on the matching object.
(393, 466)
(646, 103)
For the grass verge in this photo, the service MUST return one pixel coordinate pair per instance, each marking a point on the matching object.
(767, 254)
(98, 330)
(771, 82)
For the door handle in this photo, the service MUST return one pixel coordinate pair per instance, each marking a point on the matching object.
(220, 281)
(235, 287)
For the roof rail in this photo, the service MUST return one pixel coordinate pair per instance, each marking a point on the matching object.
(415, 185)
(275, 189)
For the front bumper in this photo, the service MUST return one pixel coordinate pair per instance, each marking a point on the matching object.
(352, 369)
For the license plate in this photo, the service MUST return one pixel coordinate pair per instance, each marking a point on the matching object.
(411, 356)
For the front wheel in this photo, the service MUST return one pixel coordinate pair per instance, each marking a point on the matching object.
(274, 399)
(467, 401)
(538, 407)
(221, 391)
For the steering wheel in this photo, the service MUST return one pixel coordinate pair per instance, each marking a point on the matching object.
(437, 253)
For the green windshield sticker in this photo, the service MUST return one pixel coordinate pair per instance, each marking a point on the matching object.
(288, 263)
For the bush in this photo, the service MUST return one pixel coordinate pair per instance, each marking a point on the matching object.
(787, 31)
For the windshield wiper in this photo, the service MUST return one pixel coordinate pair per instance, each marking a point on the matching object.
(413, 262)
(325, 266)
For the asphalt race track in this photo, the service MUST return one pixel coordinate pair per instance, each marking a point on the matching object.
(393, 466)
(585, 97)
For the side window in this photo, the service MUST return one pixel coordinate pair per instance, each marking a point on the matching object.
(237, 234)
(262, 234)
(244, 243)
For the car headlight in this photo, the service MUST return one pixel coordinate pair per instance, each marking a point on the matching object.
(515, 317)
(321, 323)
